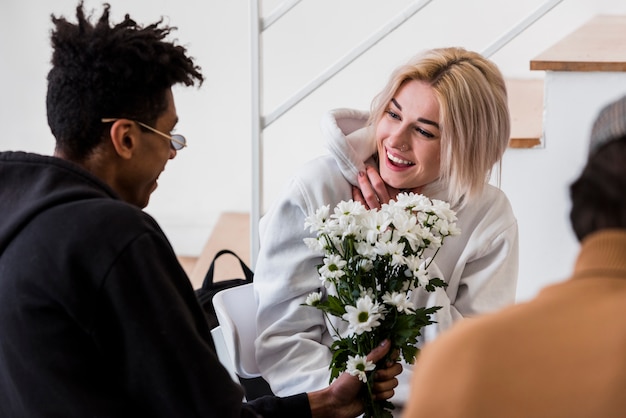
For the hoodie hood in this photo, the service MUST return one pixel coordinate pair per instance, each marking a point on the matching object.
(349, 140)
(31, 184)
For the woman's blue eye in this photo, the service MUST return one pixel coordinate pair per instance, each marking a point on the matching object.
(425, 133)
(392, 114)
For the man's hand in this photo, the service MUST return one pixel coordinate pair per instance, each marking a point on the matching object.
(372, 191)
(341, 399)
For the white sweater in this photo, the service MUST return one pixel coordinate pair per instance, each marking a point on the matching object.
(480, 265)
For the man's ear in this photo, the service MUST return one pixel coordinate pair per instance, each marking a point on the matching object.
(124, 137)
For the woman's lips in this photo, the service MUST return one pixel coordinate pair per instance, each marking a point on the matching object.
(397, 161)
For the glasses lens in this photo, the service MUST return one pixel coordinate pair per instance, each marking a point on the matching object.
(178, 142)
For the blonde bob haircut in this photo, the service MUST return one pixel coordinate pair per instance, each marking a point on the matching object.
(473, 117)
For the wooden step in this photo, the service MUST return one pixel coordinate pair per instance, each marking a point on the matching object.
(232, 232)
(188, 263)
(598, 45)
(526, 109)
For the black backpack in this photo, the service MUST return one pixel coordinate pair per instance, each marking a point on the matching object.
(209, 288)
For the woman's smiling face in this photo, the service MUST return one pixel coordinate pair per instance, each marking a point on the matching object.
(408, 137)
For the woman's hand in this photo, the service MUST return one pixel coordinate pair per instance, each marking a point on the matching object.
(342, 397)
(372, 191)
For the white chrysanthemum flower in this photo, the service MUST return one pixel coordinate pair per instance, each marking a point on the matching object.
(400, 300)
(365, 264)
(394, 249)
(422, 217)
(413, 262)
(393, 211)
(405, 226)
(334, 242)
(425, 235)
(369, 292)
(446, 228)
(351, 207)
(365, 249)
(453, 229)
(404, 199)
(385, 236)
(421, 274)
(314, 298)
(358, 366)
(416, 267)
(316, 221)
(314, 244)
(435, 241)
(364, 317)
(404, 221)
(373, 224)
(352, 229)
(333, 267)
(442, 209)
(413, 202)
(346, 211)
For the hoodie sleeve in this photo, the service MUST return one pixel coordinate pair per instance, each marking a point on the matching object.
(293, 342)
(292, 353)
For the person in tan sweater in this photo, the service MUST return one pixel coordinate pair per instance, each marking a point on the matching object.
(562, 354)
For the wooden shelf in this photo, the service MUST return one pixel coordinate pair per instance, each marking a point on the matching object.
(526, 108)
(598, 45)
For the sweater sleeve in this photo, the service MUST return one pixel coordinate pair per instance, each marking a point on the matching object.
(155, 336)
(287, 407)
(293, 341)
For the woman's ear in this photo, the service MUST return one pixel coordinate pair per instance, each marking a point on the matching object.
(124, 137)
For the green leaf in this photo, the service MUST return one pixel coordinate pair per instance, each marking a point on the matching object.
(435, 282)
(333, 306)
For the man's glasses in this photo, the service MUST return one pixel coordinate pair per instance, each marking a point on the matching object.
(177, 142)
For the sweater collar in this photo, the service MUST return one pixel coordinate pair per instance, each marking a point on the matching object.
(602, 252)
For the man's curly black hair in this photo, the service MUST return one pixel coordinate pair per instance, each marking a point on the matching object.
(104, 71)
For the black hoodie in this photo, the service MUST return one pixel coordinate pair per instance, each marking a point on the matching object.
(97, 317)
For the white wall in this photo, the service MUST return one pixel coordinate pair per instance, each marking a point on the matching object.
(213, 174)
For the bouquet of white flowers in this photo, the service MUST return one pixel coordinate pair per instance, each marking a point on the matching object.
(373, 261)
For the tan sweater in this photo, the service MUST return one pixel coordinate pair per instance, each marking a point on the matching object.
(563, 354)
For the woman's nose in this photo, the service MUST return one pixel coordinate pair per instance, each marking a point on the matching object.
(399, 139)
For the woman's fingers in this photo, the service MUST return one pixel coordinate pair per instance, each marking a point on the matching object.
(357, 196)
(378, 186)
(368, 194)
(373, 191)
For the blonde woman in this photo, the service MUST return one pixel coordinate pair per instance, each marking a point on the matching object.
(438, 128)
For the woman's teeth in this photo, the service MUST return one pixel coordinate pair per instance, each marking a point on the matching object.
(398, 160)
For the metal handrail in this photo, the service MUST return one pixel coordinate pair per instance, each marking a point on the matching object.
(345, 61)
(256, 131)
(520, 27)
(279, 12)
